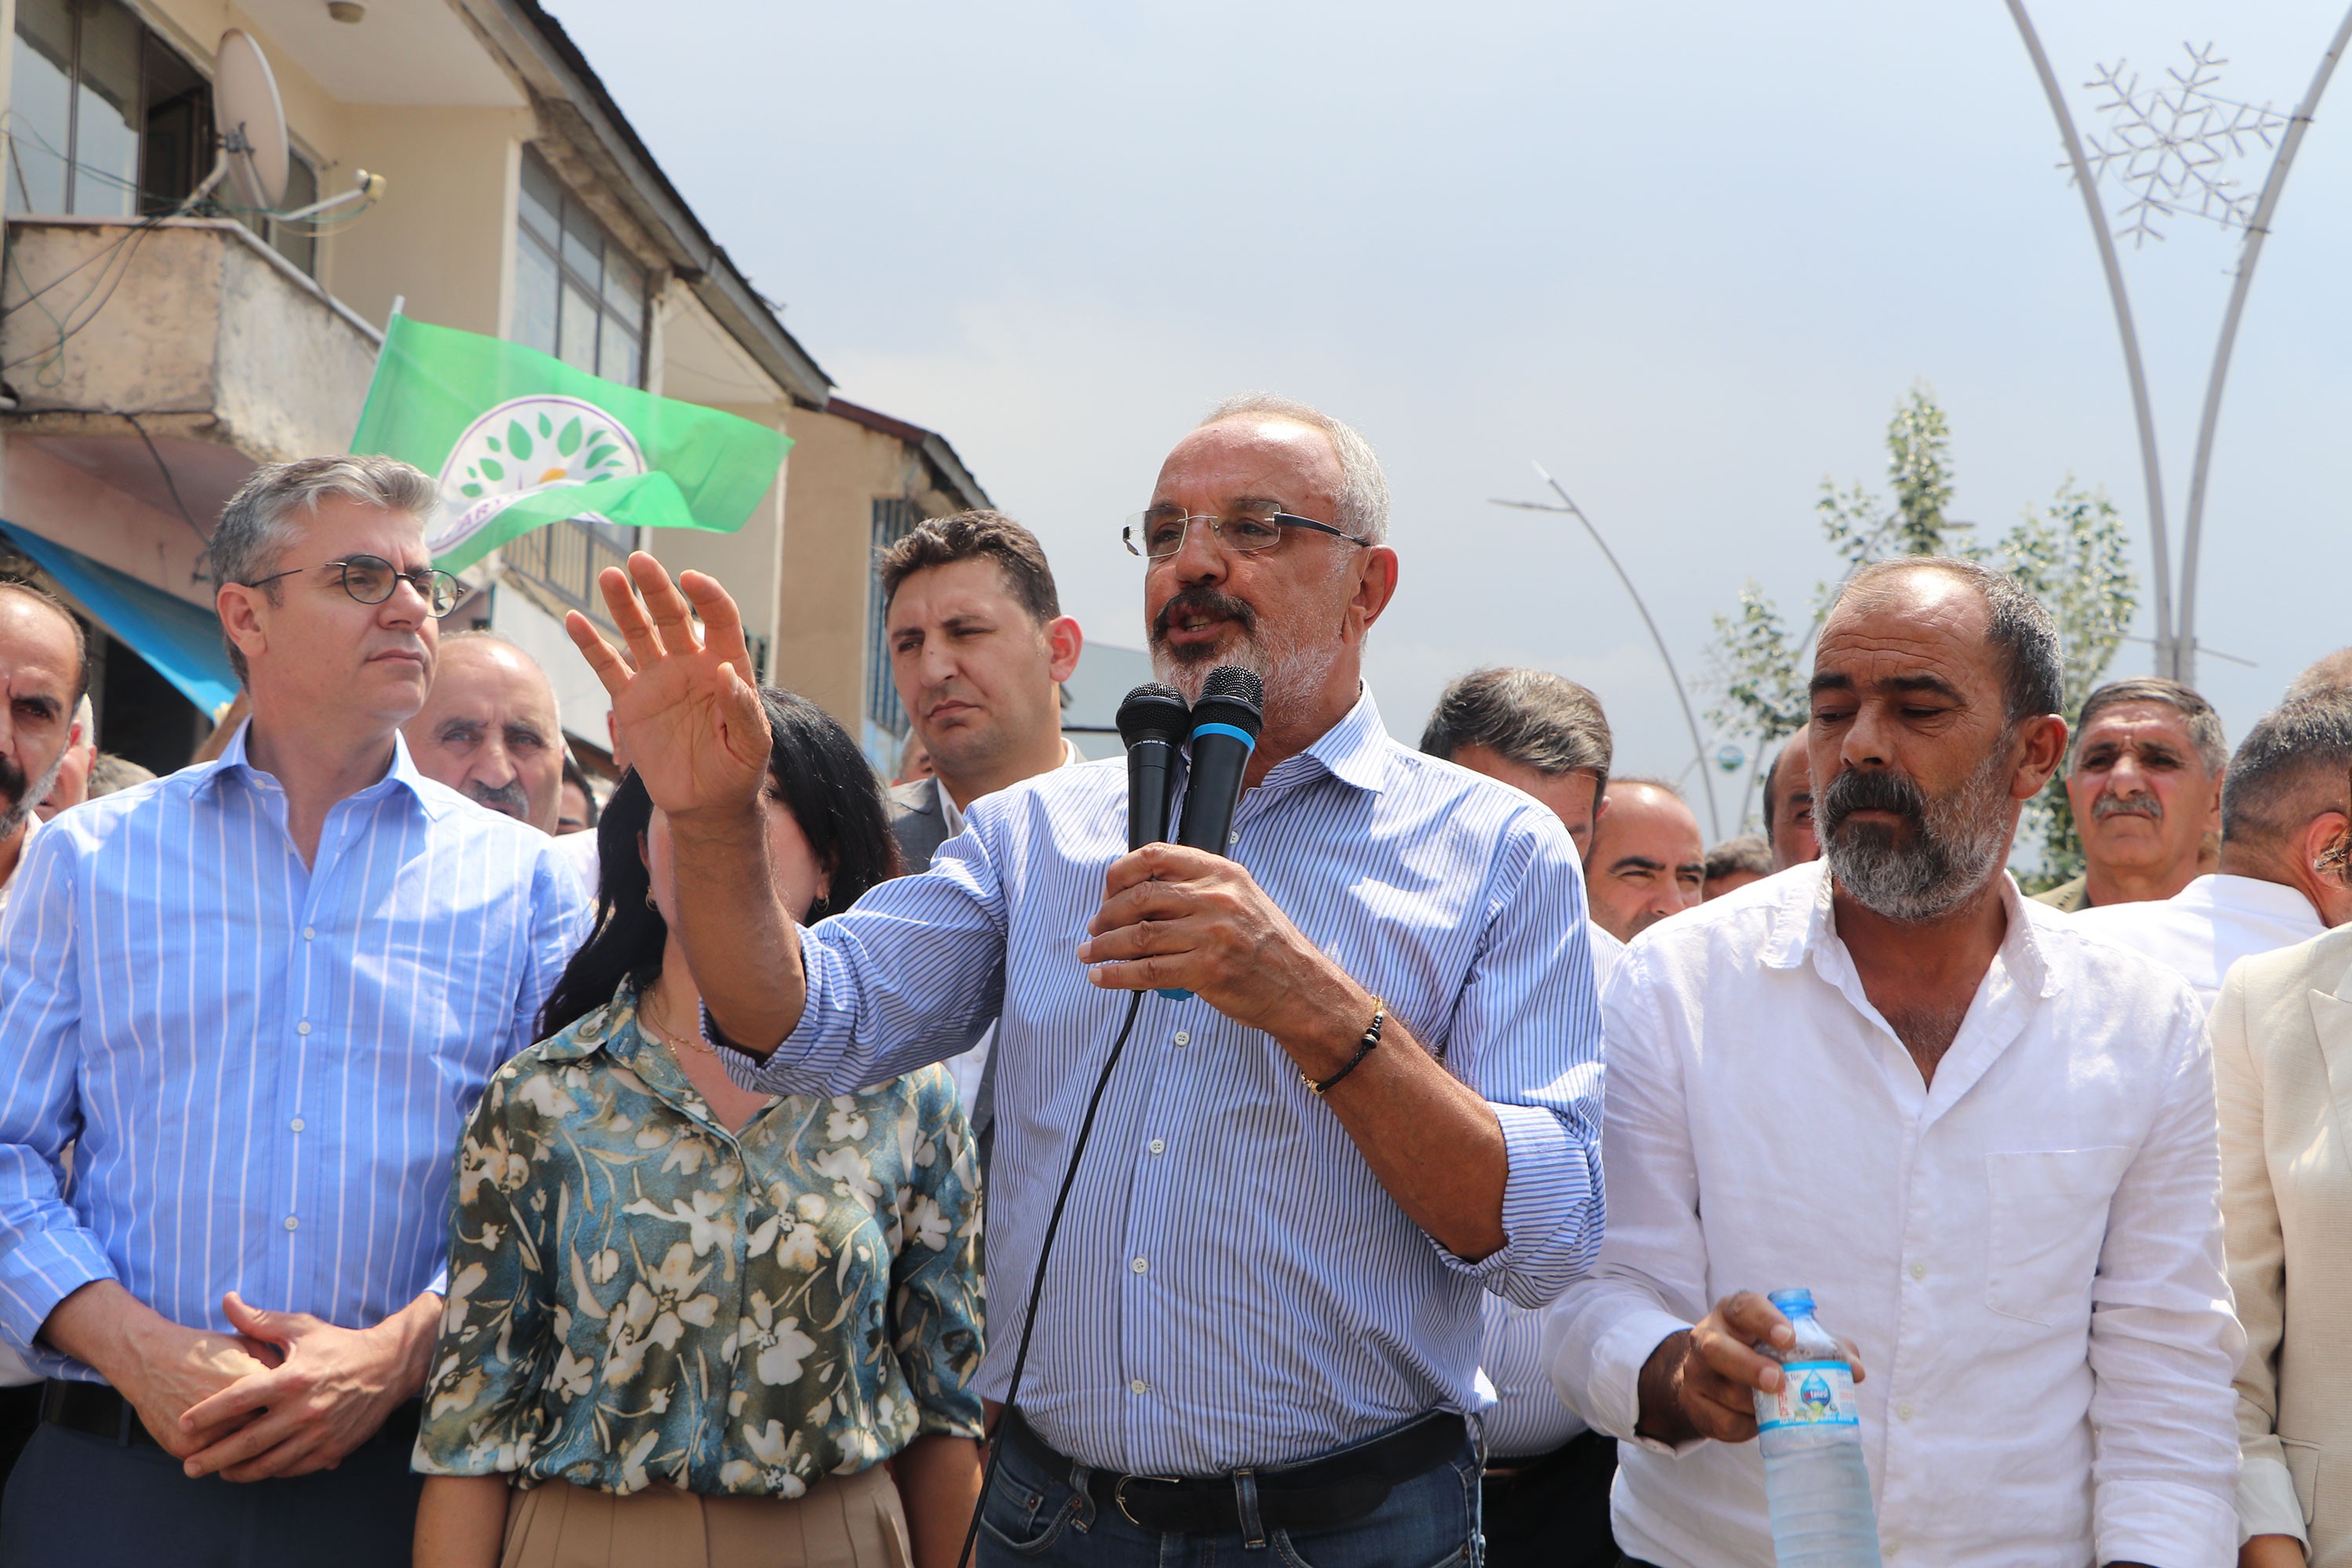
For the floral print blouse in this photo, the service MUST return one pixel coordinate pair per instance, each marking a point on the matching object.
(637, 1295)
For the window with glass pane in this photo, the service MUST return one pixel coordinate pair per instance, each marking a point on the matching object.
(40, 107)
(176, 153)
(108, 122)
(107, 116)
(895, 517)
(578, 295)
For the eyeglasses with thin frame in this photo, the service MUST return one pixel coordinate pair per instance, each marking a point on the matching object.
(370, 580)
(1246, 531)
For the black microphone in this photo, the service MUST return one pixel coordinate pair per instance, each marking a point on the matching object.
(1225, 725)
(1153, 723)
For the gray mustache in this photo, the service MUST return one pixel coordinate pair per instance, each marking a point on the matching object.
(1854, 790)
(508, 798)
(1208, 600)
(2108, 805)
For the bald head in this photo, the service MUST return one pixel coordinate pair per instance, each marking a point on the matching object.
(2016, 632)
(489, 728)
(1647, 859)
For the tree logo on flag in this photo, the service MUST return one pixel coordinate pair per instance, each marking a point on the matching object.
(523, 446)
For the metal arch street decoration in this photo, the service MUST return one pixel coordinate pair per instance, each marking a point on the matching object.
(2167, 147)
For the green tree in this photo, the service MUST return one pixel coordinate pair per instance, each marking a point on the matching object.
(2074, 557)
(2071, 554)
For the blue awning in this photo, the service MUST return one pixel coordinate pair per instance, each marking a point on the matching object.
(182, 641)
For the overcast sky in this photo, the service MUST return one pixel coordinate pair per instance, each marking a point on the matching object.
(1686, 257)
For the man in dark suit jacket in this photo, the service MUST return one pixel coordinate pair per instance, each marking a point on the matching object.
(979, 650)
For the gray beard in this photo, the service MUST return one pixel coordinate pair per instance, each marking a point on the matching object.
(12, 815)
(1956, 850)
(1291, 675)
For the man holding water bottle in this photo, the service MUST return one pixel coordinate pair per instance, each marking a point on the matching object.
(1979, 1148)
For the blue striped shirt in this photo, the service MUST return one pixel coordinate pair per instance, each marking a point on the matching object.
(262, 1068)
(1232, 1285)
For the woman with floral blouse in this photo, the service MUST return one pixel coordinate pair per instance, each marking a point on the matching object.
(686, 1324)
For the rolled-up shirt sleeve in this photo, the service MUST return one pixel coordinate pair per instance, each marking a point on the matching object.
(46, 1252)
(2164, 1342)
(1650, 1279)
(1525, 1034)
(911, 976)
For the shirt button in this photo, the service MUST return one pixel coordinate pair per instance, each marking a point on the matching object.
(303, 1027)
(1903, 1411)
(1139, 1386)
(1158, 1146)
(1183, 1036)
(296, 1124)
(1918, 1272)
(1140, 1265)
(308, 933)
(1234, 838)
(291, 1223)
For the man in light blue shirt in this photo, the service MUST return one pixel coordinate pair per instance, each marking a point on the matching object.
(257, 998)
(1380, 1100)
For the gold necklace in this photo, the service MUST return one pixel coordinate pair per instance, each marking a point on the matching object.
(674, 1041)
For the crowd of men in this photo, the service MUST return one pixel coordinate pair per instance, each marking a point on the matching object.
(1343, 1231)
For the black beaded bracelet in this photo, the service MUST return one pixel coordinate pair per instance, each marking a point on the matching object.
(1371, 1038)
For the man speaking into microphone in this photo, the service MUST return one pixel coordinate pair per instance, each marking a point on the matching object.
(1378, 1096)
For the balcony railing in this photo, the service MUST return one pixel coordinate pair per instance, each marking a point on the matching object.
(565, 559)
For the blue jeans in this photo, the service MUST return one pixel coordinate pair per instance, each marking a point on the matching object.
(1037, 1517)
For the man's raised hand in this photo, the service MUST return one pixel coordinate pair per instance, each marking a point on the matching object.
(683, 709)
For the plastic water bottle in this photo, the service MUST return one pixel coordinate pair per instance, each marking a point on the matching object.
(1812, 1436)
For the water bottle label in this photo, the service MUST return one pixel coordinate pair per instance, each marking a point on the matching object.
(1812, 1394)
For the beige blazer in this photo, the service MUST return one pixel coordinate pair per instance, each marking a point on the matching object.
(2281, 1035)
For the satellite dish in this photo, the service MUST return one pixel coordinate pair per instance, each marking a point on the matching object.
(251, 122)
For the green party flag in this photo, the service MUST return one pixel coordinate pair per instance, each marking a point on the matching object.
(518, 438)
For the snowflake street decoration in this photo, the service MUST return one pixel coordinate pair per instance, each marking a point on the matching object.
(2168, 145)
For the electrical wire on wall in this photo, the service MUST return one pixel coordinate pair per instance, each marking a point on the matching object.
(114, 259)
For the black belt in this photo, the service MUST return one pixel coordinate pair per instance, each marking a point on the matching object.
(98, 1411)
(1320, 1494)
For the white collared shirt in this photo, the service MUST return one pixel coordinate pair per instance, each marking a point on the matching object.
(1528, 1419)
(2028, 1253)
(2207, 926)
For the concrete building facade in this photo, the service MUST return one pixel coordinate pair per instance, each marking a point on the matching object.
(153, 354)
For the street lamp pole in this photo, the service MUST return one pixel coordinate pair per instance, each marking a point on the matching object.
(1690, 719)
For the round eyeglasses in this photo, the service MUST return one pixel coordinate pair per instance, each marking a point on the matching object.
(370, 580)
(1159, 533)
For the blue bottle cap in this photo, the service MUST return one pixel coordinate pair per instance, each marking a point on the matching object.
(1793, 1304)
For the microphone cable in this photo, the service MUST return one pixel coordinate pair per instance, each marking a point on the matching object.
(1037, 1279)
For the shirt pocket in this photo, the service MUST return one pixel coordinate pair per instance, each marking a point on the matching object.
(2047, 1221)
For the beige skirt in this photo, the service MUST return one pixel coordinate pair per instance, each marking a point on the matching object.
(844, 1521)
